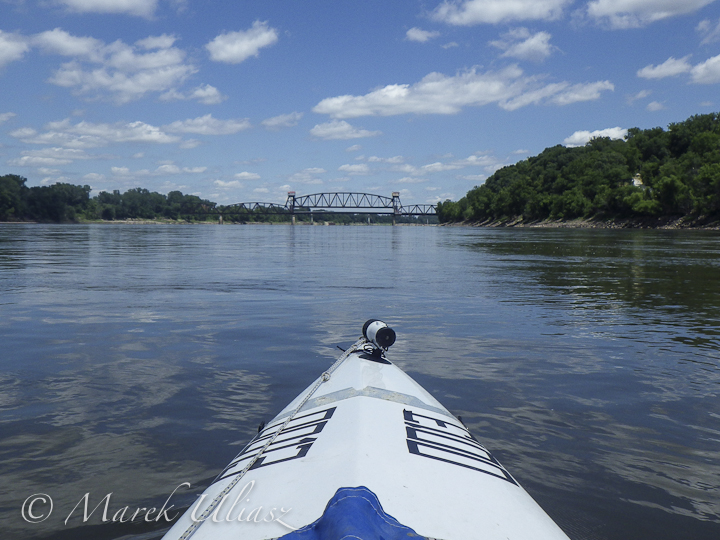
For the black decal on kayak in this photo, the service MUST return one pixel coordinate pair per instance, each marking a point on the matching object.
(441, 440)
(302, 450)
(309, 418)
(293, 443)
(413, 417)
(436, 436)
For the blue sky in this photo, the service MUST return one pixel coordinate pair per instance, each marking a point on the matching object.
(244, 101)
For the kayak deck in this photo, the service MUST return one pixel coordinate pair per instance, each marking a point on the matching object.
(369, 425)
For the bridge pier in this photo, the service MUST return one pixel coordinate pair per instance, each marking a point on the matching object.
(220, 220)
(293, 219)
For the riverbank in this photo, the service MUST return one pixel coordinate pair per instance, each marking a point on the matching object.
(674, 223)
(164, 221)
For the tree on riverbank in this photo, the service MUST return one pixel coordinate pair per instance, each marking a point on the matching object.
(61, 202)
(12, 197)
(651, 172)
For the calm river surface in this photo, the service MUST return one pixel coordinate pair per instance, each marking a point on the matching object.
(137, 357)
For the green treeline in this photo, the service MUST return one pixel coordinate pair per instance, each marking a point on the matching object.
(676, 173)
(66, 203)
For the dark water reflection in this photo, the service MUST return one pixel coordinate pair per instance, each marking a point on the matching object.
(135, 358)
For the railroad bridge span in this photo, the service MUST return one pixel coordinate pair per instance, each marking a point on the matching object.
(352, 202)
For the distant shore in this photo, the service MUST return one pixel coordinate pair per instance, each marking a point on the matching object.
(230, 223)
(673, 223)
(668, 223)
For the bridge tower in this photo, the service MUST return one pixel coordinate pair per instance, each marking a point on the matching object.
(291, 204)
(397, 206)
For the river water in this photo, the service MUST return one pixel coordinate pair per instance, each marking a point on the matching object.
(134, 358)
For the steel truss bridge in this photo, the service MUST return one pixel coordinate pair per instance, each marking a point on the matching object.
(355, 203)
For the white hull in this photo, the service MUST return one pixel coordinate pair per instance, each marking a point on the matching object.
(368, 425)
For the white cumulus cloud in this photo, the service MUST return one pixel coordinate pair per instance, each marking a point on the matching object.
(580, 138)
(119, 132)
(435, 93)
(245, 175)
(58, 41)
(163, 41)
(486, 160)
(4, 117)
(481, 159)
(522, 44)
(12, 47)
(117, 71)
(340, 130)
(189, 144)
(642, 94)
(205, 94)
(282, 121)
(236, 47)
(405, 168)
(470, 12)
(393, 159)
(171, 168)
(709, 31)
(228, 184)
(207, 125)
(669, 68)
(141, 8)
(86, 135)
(420, 35)
(439, 167)
(122, 87)
(638, 13)
(164, 169)
(707, 72)
(307, 176)
(355, 169)
(49, 157)
(577, 93)
(440, 94)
